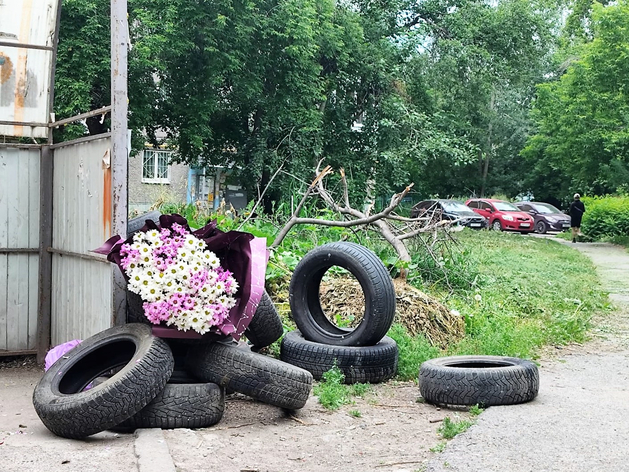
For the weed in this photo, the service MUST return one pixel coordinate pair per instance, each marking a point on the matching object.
(449, 428)
(439, 447)
(331, 391)
(476, 410)
(355, 413)
(412, 352)
(359, 389)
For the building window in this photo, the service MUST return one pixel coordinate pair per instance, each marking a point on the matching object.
(155, 168)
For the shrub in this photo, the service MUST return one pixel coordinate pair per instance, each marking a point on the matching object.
(606, 217)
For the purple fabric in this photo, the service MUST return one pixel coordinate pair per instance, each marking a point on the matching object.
(58, 351)
(236, 252)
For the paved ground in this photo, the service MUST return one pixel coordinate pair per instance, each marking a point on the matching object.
(578, 422)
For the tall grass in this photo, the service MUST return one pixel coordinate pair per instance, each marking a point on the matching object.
(527, 293)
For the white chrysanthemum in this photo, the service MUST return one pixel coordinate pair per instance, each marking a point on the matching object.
(150, 293)
(233, 288)
(152, 236)
(198, 323)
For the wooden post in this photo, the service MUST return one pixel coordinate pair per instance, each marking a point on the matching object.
(44, 307)
(119, 140)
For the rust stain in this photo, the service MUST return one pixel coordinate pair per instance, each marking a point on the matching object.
(20, 67)
(6, 68)
(107, 202)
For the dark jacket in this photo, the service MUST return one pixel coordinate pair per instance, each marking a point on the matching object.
(577, 208)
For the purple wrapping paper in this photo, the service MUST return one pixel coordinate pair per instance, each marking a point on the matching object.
(241, 253)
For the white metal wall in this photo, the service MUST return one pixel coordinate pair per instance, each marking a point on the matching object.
(81, 288)
(19, 229)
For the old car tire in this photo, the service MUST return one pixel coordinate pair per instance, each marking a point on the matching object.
(266, 325)
(135, 224)
(180, 405)
(70, 411)
(359, 364)
(261, 377)
(541, 227)
(482, 380)
(496, 225)
(376, 284)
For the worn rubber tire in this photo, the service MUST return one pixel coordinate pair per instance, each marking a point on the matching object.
(135, 224)
(261, 377)
(266, 325)
(482, 380)
(70, 411)
(180, 405)
(359, 364)
(376, 284)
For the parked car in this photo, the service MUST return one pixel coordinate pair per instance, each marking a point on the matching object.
(502, 216)
(546, 216)
(452, 210)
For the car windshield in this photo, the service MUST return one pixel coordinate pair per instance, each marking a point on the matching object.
(504, 206)
(545, 208)
(455, 207)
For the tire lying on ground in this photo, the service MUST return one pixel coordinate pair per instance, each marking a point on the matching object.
(376, 284)
(258, 376)
(180, 405)
(483, 380)
(266, 325)
(359, 364)
(70, 411)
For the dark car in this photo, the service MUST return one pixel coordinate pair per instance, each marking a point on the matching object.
(449, 210)
(546, 216)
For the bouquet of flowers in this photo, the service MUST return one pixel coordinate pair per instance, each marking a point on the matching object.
(180, 282)
(207, 282)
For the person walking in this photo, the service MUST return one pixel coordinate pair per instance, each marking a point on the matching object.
(577, 208)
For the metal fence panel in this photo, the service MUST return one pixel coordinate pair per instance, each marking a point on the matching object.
(81, 287)
(19, 233)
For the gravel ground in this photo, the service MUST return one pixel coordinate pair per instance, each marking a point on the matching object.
(578, 421)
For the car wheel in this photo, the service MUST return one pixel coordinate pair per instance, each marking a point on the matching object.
(541, 227)
(496, 226)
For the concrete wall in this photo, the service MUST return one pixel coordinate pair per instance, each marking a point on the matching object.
(143, 195)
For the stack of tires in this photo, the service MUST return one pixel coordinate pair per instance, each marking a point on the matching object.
(363, 354)
(126, 378)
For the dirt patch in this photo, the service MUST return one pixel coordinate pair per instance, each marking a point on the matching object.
(386, 430)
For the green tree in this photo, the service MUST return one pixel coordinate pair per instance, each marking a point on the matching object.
(582, 117)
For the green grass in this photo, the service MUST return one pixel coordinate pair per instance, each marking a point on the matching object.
(476, 410)
(439, 447)
(525, 293)
(333, 393)
(449, 428)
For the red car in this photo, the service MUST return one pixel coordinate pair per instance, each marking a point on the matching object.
(502, 216)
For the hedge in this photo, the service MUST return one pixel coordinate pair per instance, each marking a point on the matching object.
(605, 216)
